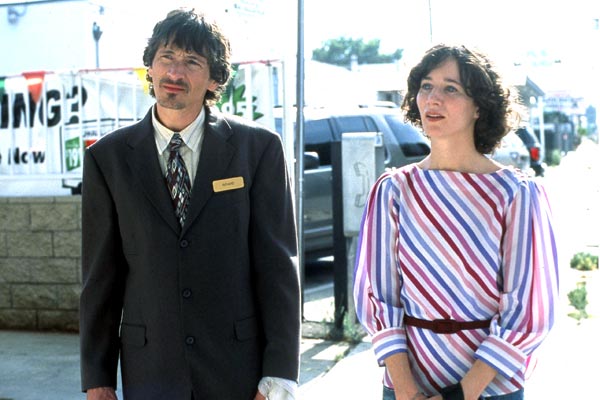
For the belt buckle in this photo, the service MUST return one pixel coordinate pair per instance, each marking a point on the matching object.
(446, 326)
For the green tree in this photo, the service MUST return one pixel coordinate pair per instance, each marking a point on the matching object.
(340, 51)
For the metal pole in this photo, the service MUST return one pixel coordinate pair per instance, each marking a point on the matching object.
(340, 250)
(430, 23)
(540, 104)
(300, 145)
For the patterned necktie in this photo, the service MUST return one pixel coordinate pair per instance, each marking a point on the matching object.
(178, 179)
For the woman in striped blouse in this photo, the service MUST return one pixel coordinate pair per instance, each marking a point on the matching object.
(456, 274)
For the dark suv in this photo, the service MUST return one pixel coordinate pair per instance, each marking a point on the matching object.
(403, 144)
(535, 150)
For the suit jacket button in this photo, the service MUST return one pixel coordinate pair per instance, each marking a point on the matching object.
(187, 293)
(190, 340)
(184, 243)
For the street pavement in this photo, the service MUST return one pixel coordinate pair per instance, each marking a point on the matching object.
(45, 366)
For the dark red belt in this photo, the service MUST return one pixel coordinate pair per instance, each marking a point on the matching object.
(446, 325)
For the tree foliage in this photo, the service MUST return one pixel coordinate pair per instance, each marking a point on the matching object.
(340, 51)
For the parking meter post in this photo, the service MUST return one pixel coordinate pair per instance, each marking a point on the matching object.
(351, 243)
(340, 262)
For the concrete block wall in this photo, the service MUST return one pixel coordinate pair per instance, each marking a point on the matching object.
(40, 253)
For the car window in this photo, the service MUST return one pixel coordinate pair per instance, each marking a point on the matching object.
(412, 142)
(349, 124)
(317, 138)
(357, 123)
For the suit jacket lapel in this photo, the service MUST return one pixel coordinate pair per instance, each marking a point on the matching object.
(145, 166)
(215, 157)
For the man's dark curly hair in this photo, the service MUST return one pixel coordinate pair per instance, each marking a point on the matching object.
(189, 30)
(482, 82)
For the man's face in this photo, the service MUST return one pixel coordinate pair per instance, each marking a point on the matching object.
(180, 78)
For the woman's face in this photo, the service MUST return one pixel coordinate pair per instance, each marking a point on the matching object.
(445, 108)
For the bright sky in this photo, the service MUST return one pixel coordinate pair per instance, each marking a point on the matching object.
(529, 32)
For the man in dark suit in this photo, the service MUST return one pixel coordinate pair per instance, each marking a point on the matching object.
(189, 244)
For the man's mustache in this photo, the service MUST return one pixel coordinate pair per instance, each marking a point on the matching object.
(172, 82)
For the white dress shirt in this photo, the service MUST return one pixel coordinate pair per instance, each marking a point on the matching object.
(192, 137)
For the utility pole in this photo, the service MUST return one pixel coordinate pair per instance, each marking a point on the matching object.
(430, 23)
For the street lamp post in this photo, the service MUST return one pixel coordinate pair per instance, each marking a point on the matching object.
(299, 135)
(97, 33)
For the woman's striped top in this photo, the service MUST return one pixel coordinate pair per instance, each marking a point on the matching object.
(440, 244)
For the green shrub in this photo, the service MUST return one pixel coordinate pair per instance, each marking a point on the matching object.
(578, 299)
(353, 331)
(583, 261)
(554, 157)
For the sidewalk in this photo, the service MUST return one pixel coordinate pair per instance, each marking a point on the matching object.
(45, 366)
(566, 368)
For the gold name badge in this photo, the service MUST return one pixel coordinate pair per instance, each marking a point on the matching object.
(228, 184)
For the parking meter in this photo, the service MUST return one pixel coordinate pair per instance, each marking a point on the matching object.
(362, 162)
(363, 159)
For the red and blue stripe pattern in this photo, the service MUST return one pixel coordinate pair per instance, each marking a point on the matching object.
(442, 244)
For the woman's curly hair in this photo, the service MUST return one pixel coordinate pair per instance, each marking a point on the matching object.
(498, 109)
(189, 30)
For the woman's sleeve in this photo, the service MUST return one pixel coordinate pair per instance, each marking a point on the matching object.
(376, 279)
(530, 283)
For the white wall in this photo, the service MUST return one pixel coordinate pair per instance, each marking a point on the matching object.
(47, 36)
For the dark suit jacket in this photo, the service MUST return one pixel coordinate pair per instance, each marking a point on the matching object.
(210, 308)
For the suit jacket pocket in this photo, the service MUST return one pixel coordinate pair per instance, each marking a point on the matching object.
(228, 198)
(246, 329)
(134, 335)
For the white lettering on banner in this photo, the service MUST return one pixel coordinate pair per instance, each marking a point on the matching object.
(73, 154)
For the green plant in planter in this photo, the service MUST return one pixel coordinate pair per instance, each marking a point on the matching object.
(584, 261)
(353, 331)
(578, 299)
(554, 158)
